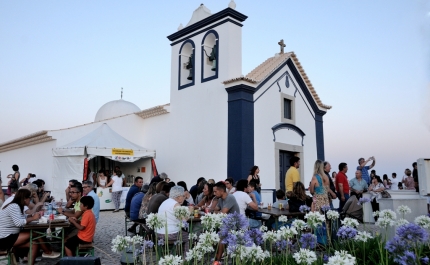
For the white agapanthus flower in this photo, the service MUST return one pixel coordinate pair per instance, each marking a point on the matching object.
(181, 212)
(263, 228)
(385, 222)
(423, 221)
(299, 225)
(286, 233)
(305, 256)
(388, 214)
(212, 222)
(314, 219)
(253, 254)
(283, 218)
(375, 214)
(120, 243)
(341, 258)
(332, 215)
(209, 238)
(401, 222)
(349, 222)
(363, 236)
(269, 236)
(170, 260)
(155, 221)
(403, 209)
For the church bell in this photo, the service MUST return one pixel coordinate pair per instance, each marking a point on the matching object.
(212, 58)
(190, 67)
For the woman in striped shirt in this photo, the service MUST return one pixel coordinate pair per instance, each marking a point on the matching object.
(12, 218)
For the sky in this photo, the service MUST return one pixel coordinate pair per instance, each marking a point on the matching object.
(60, 61)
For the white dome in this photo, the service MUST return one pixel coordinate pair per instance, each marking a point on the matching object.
(115, 108)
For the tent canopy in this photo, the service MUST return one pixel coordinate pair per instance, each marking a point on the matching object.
(104, 141)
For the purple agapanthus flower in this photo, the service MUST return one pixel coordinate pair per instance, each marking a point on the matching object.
(256, 235)
(232, 222)
(363, 200)
(233, 240)
(412, 233)
(425, 260)
(304, 209)
(325, 258)
(346, 232)
(185, 224)
(160, 242)
(408, 258)
(281, 244)
(308, 241)
(148, 244)
(396, 245)
(325, 208)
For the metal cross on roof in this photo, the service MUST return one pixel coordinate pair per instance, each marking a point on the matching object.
(282, 45)
(121, 92)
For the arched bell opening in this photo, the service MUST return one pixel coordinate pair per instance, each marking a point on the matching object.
(186, 71)
(210, 56)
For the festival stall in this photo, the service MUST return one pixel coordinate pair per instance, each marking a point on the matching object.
(71, 160)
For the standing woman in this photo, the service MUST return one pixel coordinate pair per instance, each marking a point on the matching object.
(116, 183)
(102, 179)
(320, 186)
(12, 219)
(253, 175)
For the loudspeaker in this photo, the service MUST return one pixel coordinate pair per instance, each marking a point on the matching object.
(79, 261)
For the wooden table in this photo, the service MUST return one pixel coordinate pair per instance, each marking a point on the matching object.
(275, 212)
(39, 231)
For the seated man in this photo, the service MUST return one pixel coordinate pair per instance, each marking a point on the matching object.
(73, 208)
(227, 202)
(87, 187)
(135, 188)
(357, 185)
(86, 226)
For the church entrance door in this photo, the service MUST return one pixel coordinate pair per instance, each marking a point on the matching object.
(284, 165)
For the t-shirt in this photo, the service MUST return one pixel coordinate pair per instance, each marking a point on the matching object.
(77, 208)
(291, 176)
(276, 204)
(89, 221)
(395, 184)
(117, 184)
(11, 220)
(96, 207)
(258, 199)
(358, 185)
(342, 179)
(135, 204)
(242, 200)
(131, 192)
(365, 173)
(230, 203)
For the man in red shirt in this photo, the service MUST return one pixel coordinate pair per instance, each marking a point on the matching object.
(342, 185)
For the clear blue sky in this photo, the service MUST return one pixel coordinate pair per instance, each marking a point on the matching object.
(61, 60)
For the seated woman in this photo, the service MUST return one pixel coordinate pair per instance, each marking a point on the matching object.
(298, 197)
(12, 218)
(375, 190)
(176, 198)
(189, 201)
(209, 200)
(200, 194)
(229, 184)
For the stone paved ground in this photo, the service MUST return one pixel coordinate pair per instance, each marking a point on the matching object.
(112, 224)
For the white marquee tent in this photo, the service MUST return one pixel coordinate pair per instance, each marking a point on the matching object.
(103, 141)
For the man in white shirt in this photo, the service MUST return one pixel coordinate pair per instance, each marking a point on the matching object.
(394, 182)
(243, 199)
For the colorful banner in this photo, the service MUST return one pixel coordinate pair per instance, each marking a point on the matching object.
(122, 152)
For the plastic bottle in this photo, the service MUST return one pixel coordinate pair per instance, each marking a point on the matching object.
(49, 209)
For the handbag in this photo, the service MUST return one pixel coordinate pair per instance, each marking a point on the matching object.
(385, 194)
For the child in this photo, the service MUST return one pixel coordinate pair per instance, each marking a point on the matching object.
(280, 198)
(86, 227)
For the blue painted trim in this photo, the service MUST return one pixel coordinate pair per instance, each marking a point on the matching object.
(287, 126)
(206, 29)
(228, 12)
(319, 130)
(240, 144)
(203, 56)
(180, 65)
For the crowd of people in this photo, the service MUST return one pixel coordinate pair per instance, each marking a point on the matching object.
(27, 201)
(161, 195)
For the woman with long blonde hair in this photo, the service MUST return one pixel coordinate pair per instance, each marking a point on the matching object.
(319, 187)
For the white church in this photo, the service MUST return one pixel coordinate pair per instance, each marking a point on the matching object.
(218, 124)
